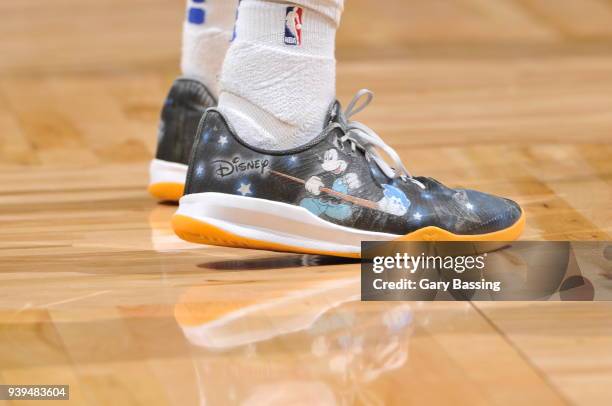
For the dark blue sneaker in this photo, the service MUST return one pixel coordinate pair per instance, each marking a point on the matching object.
(184, 107)
(327, 196)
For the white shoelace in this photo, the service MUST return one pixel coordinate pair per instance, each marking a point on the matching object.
(362, 136)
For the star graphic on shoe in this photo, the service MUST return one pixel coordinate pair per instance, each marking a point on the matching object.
(222, 140)
(245, 189)
(199, 171)
(417, 216)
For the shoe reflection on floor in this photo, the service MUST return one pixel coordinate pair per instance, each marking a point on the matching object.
(310, 345)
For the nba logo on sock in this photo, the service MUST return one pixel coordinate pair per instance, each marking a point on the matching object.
(293, 25)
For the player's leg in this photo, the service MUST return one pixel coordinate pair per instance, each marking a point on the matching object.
(291, 149)
(208, 31)
(207, 34)
(279, 77)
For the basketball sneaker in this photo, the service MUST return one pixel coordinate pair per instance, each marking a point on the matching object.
(185, 105)
(327, 196)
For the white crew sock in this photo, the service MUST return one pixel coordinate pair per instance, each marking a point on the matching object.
(278, 83)
(207, 34)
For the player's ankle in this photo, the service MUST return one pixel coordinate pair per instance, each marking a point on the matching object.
(279, 74)
(207, 35)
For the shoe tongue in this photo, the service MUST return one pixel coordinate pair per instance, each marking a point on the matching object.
(336, 115)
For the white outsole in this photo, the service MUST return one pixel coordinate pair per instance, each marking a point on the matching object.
(270, 221)
(166, 172)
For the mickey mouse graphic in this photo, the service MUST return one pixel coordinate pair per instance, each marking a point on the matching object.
(393, 202)
(343, 183)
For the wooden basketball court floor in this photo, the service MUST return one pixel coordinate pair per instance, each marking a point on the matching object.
(509, 97)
